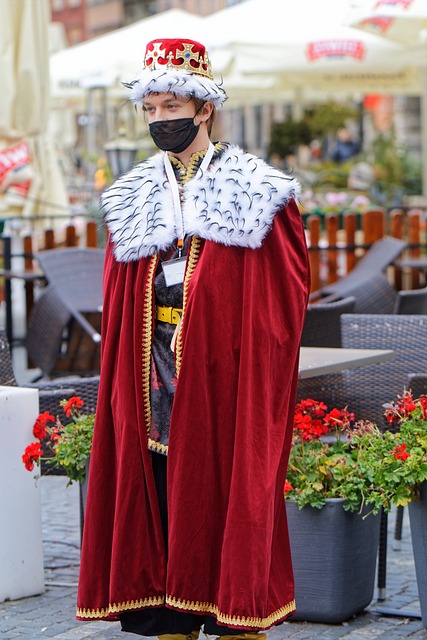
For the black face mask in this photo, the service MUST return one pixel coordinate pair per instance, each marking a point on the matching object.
(174, 135)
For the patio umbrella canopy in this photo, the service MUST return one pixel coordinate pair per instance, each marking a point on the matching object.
(403, 22)
(308, 46)
(115, 57)
(118, 56)
(25, 146)
(276, 52)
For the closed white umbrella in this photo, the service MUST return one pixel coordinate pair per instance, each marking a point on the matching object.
(404, 22)
(24, 72)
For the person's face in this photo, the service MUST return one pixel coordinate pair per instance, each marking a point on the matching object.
(166, 106)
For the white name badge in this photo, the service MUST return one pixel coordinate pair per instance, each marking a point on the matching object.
(174, 271)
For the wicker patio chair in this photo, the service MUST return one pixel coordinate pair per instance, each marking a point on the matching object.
(372, 293)
(411, 301)
(367, 282)
(417, 382)
(56, 343)
(46, 328)
(76, 271)
(76, 276)
(369, 387)
(366, 389)
(69, 310)
(322, 323)
(7, 375)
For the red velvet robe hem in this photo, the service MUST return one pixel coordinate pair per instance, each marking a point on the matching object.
(230, 436)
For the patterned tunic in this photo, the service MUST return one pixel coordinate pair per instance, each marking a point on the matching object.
(163, 372)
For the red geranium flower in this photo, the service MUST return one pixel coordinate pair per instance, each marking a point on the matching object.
(31, 454)
(400, 453)
(39, 429)
(73, 402)
(312, 421)
(287, 487)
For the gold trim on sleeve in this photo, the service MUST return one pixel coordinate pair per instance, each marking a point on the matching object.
(157, 447)
(193, 256)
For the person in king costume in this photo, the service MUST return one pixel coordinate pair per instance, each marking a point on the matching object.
(205, 291)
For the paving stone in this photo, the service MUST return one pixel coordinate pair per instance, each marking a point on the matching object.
(52, 614)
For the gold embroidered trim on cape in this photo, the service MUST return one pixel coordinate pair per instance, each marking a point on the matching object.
(157, 447)
(193, 256)
(153, 601)
(186, 174)
(205, 607)
(147, 331)
(237, 621)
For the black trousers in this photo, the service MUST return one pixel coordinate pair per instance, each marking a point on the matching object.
(154, 621)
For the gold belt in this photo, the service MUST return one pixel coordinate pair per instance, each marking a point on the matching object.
(168, 314)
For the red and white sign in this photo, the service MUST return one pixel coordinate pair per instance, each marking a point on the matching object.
(15, 168)
(381, 23)
(335, 49)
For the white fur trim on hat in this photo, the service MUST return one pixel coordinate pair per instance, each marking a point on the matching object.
(181, 83)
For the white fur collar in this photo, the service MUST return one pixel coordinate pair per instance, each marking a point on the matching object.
(233, 203)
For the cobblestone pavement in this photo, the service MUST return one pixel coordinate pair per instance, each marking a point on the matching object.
(52, 614)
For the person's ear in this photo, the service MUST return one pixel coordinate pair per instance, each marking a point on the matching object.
(205, 113)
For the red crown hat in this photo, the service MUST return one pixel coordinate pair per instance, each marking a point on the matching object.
(187, 55)
(180, 66)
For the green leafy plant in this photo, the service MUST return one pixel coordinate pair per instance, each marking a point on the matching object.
(317, 121)
(68, 445)
(399, 459)
(335, 457)
(286, 136)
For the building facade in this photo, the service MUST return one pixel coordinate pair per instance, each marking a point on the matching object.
(85, 19)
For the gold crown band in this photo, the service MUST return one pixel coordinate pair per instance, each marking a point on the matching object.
(202, 66)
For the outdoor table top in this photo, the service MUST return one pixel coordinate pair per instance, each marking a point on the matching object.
(318, 361)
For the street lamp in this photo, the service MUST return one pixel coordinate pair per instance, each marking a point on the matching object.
(121, 153)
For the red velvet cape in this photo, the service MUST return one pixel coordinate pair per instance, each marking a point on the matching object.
(229, 444)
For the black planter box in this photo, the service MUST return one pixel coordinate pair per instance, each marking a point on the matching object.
(334, 555)
(418, 521)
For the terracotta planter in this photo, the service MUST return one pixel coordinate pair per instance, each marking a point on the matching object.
(418, 521)
(334, 555)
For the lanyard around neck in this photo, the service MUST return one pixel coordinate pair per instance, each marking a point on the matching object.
(178, 218)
